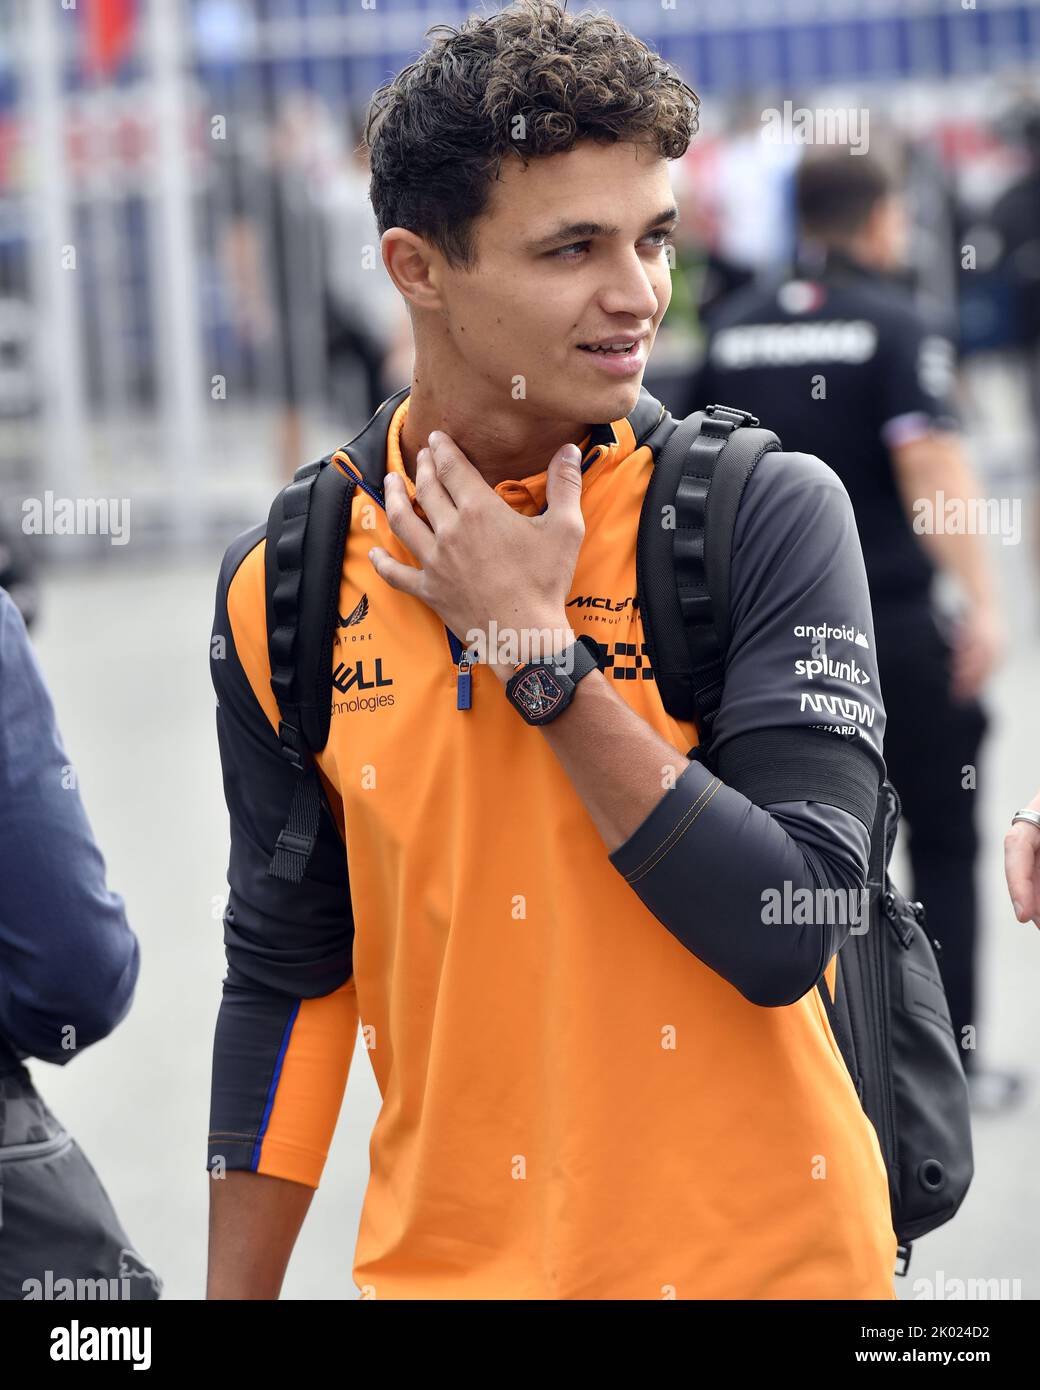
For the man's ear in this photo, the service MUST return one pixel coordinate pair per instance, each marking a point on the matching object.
(413, 266)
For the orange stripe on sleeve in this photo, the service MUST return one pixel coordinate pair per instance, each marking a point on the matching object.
(309, 1088)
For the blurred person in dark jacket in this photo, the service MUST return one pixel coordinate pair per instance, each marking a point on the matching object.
(68, 968)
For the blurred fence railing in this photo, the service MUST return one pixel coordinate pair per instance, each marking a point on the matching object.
(165, 169)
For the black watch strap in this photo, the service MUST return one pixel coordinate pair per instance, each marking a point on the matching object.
(543, 689)
(586, 657)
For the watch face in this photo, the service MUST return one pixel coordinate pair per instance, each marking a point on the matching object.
(538, 693)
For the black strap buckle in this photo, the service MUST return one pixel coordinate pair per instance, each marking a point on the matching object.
(290, 744)
(295, 843)
(903, 1253)
(729, 416)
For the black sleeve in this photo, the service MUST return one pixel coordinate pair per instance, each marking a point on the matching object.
(286, 943)
(915, 364)
(68, 958)
(293, 938)
(773, 850)
(802, 716)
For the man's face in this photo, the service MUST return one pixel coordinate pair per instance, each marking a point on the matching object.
(538, 291)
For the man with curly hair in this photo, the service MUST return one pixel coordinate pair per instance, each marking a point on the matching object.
(605, 1071)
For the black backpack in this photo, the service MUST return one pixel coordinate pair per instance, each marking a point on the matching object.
(889, 1016)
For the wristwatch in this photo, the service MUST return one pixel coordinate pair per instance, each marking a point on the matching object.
(542, 689)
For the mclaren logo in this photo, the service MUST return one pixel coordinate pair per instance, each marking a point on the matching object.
(612, 605)
(359, 614)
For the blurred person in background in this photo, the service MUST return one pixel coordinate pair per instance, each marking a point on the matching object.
(68, 967)
(273, 248)
(751, 207)
(1016, 220)
(834, 358)
(302, 257)
(366, 323)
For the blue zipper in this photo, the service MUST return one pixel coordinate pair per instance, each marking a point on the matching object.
(460, 657)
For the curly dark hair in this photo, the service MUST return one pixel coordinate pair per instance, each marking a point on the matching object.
(530, 80)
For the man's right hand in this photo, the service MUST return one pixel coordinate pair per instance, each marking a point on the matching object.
(254, 1220)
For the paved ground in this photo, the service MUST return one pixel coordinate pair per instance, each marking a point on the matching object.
(124, 648)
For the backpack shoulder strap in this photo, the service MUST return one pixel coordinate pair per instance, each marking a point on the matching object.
(306, 533)
(303, 561)
(303, 569)
(683, 555)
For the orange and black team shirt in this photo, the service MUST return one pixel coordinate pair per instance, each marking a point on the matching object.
(604, 1076)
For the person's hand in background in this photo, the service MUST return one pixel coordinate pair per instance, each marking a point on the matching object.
(1022, 866)
(978, 648)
